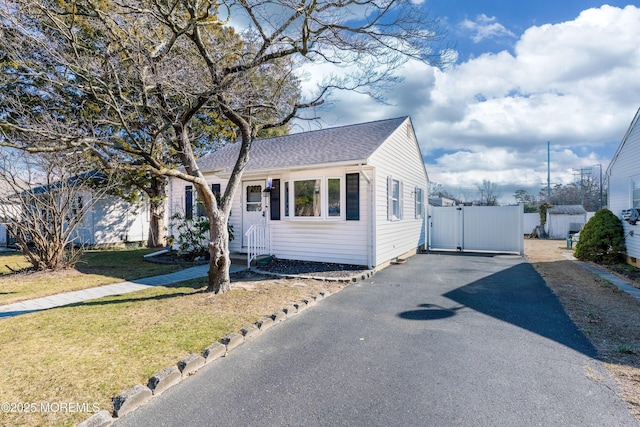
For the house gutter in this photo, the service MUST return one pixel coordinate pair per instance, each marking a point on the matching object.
(274, 170)
(371, 217)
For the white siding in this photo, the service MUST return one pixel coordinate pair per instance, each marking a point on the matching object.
(367, 241)
(399, 157)
(176, 204)
(113, 220)
(338, 241)
(558, 225)
(624, 167)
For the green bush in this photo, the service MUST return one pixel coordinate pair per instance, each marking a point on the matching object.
(602, 239)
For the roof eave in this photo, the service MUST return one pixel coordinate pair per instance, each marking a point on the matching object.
(266, 171)
(623, 142)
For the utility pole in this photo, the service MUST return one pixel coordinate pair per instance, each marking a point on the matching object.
(548, 172)
(600, 203)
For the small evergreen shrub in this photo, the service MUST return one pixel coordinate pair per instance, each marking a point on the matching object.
(602, 239)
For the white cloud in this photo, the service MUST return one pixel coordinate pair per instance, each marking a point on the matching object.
(574, 83)
(485, 27)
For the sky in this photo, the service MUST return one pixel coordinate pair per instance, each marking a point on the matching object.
(527, 74)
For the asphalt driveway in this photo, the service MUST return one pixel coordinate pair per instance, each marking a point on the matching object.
(443, 340)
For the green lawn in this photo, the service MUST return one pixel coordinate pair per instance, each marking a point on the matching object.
(94, 269)
(92, 351)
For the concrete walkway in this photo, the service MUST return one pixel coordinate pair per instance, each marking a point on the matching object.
(619, 282)
(67, 298)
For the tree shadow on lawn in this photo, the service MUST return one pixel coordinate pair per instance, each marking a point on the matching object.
(517, 295)
(197, 287)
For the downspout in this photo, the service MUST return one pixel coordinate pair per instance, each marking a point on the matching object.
(372, 212)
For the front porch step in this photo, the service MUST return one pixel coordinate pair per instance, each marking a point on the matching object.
(262, 260)
(239, 258)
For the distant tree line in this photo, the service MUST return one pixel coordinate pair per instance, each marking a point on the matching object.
(589, 192)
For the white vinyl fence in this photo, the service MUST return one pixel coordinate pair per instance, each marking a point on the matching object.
(477, 229)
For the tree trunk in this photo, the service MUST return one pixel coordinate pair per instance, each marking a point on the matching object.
(156, 225)
(219, 261)
(157, 193)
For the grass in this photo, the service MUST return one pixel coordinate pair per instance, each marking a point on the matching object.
(90, 352)
(94, 269)
(609, 317)
(625, 349)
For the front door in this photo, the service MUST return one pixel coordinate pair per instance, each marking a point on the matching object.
(252, 206)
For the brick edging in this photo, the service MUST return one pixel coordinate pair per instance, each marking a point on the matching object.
(138, 395)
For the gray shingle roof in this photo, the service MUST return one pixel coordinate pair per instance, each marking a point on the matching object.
(340, 144)
(567, 210)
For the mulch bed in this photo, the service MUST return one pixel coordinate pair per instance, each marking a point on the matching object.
(320, 269)
(626, 271)
(275, 266)
(174, 257)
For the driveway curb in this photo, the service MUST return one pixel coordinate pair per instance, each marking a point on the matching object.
(139, 395)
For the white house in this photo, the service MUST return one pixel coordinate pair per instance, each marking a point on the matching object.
(352, 194)
(565, 219)
(624, 188)
(108, 220)
(112, 221)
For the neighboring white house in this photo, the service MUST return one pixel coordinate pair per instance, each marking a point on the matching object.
(352, 194)
(441, 201)
(108, 221)
(624, 188)
(565, 219)
(112, 221)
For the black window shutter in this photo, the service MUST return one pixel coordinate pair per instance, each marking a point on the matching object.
(353, 197)
(274, 200)
(188, 202)
(215, 188)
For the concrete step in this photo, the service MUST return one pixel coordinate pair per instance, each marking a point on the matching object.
(241, 259)
(238, 258)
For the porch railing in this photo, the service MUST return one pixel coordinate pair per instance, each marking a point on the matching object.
(258, 242)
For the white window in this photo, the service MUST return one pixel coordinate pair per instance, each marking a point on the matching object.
(315, 198)
(394, 199)
(254, 198)
(334, 197)
(307, 198)
(419, 202)
(635, 192)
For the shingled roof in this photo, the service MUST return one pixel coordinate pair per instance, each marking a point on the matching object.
(567, 210)
(353, 143)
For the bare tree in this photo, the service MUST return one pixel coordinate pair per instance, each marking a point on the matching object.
(143, 85)
(488, 193)
(568, 194)
(44, 203)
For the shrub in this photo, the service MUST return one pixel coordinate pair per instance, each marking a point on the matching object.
(193, 235)
(602, 239)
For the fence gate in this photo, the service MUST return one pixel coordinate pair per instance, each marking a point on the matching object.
(477, 228)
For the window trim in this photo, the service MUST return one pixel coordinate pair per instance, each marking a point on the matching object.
(419, 202)
(341, 196)
(289, 198)
(634, 202)
(392, 202)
